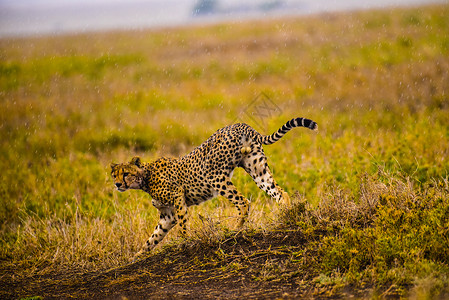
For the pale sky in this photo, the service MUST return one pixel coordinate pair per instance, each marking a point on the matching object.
(37, 17)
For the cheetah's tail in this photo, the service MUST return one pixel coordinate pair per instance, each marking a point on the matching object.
(297, 122)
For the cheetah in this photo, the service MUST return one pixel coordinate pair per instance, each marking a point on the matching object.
(174, 184)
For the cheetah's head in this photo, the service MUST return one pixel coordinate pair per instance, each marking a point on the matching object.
(127, 175)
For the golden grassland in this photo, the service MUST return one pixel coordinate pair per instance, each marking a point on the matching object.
(376, 82)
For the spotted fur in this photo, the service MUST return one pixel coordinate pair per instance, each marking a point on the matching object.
(176, 184)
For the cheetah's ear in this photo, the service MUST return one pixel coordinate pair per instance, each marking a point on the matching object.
(113, 165)
(136, 161)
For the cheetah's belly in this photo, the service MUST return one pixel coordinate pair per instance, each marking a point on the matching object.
(195, 197)
(158, 204)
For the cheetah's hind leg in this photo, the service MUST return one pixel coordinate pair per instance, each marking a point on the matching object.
(223, 185)
(255, 164)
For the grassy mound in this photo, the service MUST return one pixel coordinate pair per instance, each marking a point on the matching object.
(390, 241)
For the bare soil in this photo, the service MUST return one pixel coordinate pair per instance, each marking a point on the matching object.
(253, 265)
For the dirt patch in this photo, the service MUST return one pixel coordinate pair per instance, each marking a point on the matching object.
(245, 264)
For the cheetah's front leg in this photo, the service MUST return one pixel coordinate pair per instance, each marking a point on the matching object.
(166, 222)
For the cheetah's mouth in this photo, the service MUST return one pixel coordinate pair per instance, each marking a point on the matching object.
(121, 188)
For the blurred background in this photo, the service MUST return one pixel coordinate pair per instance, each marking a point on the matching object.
(38, 17)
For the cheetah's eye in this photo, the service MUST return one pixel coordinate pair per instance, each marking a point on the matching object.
(125, 174)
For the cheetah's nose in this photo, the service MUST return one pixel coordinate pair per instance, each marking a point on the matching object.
(118, 184)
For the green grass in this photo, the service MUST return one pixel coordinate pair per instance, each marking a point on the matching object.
(378, 90)
(394, 233)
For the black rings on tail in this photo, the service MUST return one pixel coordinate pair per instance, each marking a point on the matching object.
(297, 122)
